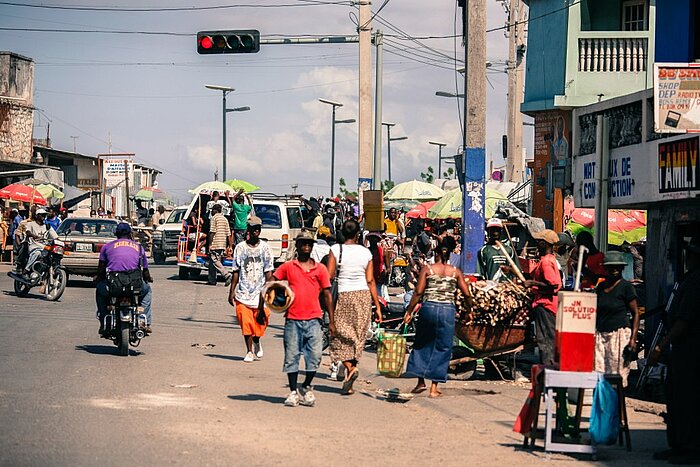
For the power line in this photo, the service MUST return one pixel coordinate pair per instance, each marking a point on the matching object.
(509, 25)
(300, 3)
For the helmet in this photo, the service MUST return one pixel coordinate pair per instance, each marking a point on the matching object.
(278, 296)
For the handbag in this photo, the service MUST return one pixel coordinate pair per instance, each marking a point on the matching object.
(605, 413)
(334, 283)
(391, 353)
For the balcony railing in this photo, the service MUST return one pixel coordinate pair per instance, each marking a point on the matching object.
(612, 54)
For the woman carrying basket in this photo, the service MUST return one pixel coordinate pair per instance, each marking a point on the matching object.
(432, 348)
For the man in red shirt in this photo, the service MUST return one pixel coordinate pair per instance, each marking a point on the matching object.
(545, 284)
(302, 330)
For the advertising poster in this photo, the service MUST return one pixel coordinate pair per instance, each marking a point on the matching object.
(552, 158)
(113, 168)
(677, 98)
(678, 166)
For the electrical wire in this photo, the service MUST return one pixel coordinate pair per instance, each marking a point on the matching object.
(374, 15)
(300, 3)
(544, 15)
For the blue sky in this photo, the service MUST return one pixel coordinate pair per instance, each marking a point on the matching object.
(147, 92)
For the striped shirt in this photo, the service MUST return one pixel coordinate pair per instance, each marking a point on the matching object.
(221, 231)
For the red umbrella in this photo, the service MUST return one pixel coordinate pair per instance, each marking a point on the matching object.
(618, 220)
(22, 193)
(420, 211)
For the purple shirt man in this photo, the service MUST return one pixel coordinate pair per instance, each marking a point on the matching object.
(123, 254)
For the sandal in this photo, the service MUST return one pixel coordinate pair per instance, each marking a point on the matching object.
(349, 381)
(419, 389)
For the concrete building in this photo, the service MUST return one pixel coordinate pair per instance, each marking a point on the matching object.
(580, 53)
(16, 107)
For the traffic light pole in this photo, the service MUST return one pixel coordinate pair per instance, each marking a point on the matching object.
(223, 115)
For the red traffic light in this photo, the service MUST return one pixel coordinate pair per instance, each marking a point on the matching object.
(228, 42)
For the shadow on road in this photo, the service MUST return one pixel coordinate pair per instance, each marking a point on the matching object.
(86, 283)
(29, 295)
(327, 389)
(257, 397)
(235, 358)
(188, 319)
(104, 350)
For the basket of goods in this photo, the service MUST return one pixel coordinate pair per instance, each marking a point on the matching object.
(495, 318)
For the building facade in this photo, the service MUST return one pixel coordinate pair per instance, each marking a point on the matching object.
(16, 107)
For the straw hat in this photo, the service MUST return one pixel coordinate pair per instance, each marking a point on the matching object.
(548, 235)
(278, 296)
(614, 258)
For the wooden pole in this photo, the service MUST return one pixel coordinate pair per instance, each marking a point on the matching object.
(126, 182)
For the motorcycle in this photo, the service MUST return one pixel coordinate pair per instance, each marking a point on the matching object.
(124, 324)
(46, 271)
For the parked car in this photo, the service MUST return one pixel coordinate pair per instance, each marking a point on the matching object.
(84, 237)
(166, 235)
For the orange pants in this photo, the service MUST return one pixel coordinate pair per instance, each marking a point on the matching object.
(246, 320)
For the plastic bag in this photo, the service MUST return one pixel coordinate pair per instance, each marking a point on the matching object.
(391, 353)
(605, 413)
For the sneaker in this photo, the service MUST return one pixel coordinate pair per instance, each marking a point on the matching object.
(147, 330)
(334, 371)
(292, 399)
(308, 398)
(249, 357)
(258, 350)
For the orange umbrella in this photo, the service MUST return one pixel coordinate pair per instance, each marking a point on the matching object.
(420, 211)
(23, 194)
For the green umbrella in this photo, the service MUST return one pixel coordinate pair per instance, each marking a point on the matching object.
(242, 184)
(49, 191)
(210, 187)
(415, 191)
(450, 205)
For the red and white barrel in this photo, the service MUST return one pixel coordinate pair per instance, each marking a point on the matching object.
(575, 331)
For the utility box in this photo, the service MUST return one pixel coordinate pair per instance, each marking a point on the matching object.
(373, 207)
(575, 331)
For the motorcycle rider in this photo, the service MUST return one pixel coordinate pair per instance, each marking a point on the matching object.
(122, 255)
(37, 235)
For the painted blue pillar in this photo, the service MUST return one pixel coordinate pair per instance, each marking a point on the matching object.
(473, 207)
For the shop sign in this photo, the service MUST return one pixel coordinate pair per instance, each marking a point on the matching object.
(113, 169)
(677, 97)
(620, 178)
(678, 167)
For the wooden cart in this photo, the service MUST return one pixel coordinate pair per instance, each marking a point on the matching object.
(483, 342)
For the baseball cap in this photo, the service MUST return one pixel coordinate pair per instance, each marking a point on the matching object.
(40, 211)
(122, 228)
(494, 222)
(548, 235)
(254, 221)
(304, 236)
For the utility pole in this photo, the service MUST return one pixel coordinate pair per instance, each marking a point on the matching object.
(377, 174)
(126, 183)
(364, 162)
(74, 145)
(474, 137)
(515, 160)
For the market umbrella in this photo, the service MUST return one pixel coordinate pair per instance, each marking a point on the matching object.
(623, 225)
(49, 191)
(414, 190)
(450, 205)
(210, 187)
(420, 211)
(150, 194)
(242, 184)
(23, 194)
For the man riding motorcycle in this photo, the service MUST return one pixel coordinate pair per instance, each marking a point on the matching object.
(122, 255)
(37, 235)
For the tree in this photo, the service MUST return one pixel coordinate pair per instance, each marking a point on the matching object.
(387, 185)
(428, 176)
(343, 187)
(448, 173)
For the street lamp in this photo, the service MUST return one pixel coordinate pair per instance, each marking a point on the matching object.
(333, 123)
(389, 139)
(440, 146)
(224, 91)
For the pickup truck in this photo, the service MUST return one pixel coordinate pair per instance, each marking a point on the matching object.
(166, 235)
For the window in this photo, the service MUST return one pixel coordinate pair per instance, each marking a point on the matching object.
(295, 219)
(270, 215)
(87, 227)
(634, 15)
(176, 216)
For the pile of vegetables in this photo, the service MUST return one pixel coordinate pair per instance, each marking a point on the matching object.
(494, 303)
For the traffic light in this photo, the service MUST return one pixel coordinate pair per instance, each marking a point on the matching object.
(243, 41)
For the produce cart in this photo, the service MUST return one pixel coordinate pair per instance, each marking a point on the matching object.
(494, 324)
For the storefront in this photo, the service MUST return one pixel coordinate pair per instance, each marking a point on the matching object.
(647, 170)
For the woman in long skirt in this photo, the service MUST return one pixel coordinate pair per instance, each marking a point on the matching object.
(432, 348)
(352, 263)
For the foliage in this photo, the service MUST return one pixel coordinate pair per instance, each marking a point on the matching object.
(428, 176)
(343, 187)
(387, 185)
(449, 173)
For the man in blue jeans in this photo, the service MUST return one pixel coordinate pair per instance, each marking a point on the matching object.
(122, 255)
(302, 330)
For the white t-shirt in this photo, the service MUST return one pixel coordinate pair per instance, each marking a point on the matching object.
(321, 249)
(352, 267)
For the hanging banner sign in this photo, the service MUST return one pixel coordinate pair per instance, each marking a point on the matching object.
(113, 169)
(677, 98)
(678, 166)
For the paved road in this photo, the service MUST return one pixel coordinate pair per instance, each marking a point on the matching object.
(185, 397)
